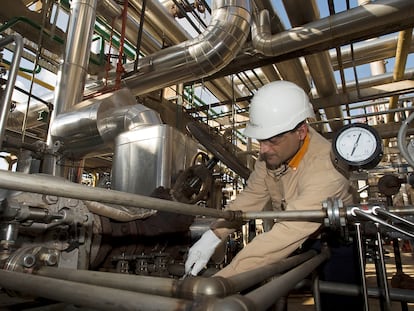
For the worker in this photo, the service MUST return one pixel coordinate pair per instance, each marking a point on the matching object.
(294, 172)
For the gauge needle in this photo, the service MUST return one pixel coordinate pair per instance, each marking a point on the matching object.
(356, 144)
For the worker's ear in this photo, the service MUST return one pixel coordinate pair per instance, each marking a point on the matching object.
(302, 131)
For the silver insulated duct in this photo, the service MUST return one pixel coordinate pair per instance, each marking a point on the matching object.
(93, 127)
(199, 57)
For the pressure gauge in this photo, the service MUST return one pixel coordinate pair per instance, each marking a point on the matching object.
(358, 146)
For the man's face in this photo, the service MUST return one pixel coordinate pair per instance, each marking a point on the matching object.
(281, 148)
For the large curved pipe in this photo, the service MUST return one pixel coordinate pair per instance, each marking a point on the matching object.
(95, 126)
(71, 80)
(198, 57)
(359, 20)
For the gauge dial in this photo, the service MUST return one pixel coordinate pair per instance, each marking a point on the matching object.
(358, 145)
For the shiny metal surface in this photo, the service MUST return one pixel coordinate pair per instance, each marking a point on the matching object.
(198, 57)
(7, 96)
(149, 157)
(96, 122)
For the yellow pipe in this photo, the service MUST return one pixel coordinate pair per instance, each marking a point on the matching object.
(403, 47)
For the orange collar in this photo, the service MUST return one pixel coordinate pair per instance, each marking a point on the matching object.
(294, 162)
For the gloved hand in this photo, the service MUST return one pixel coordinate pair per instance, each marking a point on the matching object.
(200, 253)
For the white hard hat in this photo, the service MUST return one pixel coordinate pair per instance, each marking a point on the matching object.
(276, 108)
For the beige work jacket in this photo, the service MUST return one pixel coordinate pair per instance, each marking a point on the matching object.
(301, 188)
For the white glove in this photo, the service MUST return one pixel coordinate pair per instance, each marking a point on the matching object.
(200, 253)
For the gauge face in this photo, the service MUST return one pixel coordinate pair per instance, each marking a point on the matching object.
(358, 145)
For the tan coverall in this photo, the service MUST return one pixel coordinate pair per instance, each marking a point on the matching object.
(309, 179)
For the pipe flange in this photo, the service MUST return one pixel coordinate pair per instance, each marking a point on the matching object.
(333, 207)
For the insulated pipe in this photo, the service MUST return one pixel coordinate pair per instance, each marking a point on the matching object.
(199, 57)
(157, 16)
(97, 122)
(341, 26)
(402, 140)
(11, 80)
(71, 79)
(95, 297)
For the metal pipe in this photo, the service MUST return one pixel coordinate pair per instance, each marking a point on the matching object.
(308, 215)
(69, 90)
(247, 279)
(382, 271)
(95, 297)
(396, 294)
(95, 124)
(361, 258)
(56, 186)
(266, 295)
(362, 215)
(11, 80)
(401, 140)
(60, 187)
(344, 26)
(199, 57)
(142, 284)
(383, 212)
(187, 288)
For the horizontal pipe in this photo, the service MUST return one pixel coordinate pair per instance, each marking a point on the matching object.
(47, 184)
(95, 297)
(143, 284)
(396, 294)
(188, 288)
(308, 215)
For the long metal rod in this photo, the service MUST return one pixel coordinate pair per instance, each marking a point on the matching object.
(95, 297)
(382, 273)
(11, 80)
(308, 215)
(395, 217)
(363, 215)
(361, 256)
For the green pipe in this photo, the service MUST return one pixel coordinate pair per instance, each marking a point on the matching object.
(35, 71)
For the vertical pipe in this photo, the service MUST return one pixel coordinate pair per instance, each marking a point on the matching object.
(383, 272)
(73, 70)
(14, 68)
(362, 265)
